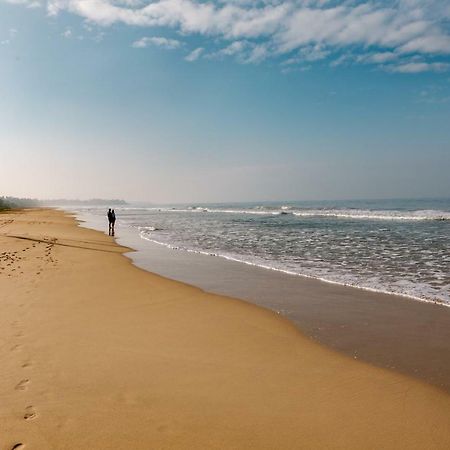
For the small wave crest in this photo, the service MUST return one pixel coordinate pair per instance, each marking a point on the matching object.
(359, 214)
(148, 228)
(378, 215)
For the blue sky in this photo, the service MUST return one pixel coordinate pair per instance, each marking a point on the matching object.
(182, 100)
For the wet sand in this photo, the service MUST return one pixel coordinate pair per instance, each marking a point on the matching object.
(97, 353)
(389, 331)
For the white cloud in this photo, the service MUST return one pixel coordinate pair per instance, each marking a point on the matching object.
(258, 53)
(377, 58)
(313, 29)
(342, 60)
(27, 3)
(67, 33)
(309, 53)
(234, 48)
(245, 52)
(288, 70)
(195, 54)
(157, 41)
(313, 53)
(427, 44)
(417, 67)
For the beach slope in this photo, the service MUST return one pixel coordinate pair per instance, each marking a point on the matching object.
(98, 354)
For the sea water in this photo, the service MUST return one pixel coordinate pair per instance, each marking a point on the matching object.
(393, 246)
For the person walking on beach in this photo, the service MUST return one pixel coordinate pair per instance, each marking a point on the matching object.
(113, 221)
(110, 221)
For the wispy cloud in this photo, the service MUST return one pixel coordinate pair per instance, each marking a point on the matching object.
(288, 69)
(244, 51)
(434, 94)
(309, 53)
(417, 67)
(27, 3)
(12, 32)
(378, 58)
(298, 30)
(258, 53)
(235, 48)
(157, 41)
(195, 54)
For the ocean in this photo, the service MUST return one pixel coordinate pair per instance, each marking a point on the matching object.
(391, 246)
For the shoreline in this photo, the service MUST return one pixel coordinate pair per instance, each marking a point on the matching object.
(440, 297)
(302, 275)
(385, 330)
(92, 343)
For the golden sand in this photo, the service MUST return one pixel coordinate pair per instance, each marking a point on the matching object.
(98, 354)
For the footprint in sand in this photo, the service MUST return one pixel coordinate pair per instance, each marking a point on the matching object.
(30, 413)
(15, 347)
(22, 385)
(18, 446)
(26, 364)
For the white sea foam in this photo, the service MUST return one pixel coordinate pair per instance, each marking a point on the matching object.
(420, 292)
(377, 215)
(141, 228)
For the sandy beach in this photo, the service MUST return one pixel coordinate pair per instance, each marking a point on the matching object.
(99, 354)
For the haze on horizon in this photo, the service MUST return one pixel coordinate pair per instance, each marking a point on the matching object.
(175, 101)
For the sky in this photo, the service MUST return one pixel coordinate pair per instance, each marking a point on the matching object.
(171, 101)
